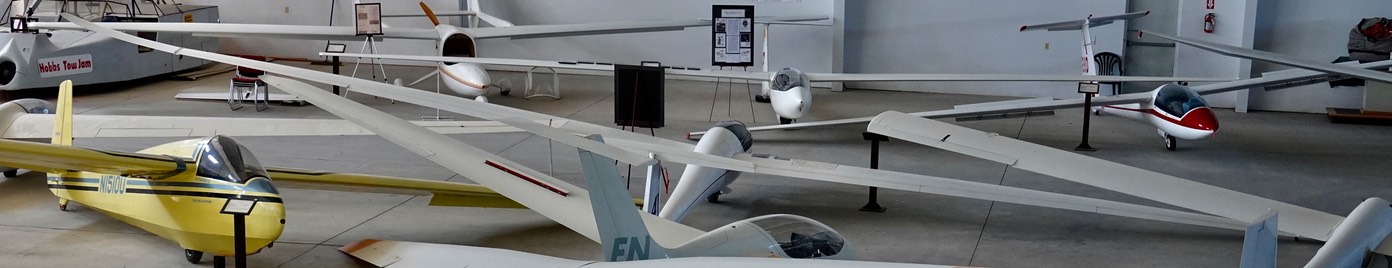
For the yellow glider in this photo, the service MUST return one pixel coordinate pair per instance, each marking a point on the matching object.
(176, 190)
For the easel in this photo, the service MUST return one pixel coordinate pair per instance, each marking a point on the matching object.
(369, 46)
(729, 99)
(368, 23)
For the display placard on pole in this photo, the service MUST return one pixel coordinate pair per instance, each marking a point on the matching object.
(368, 20)
(733, 29)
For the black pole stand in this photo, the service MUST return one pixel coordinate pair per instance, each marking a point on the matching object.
(1087, 115)
(335, 70)
(873, 205)
(239, 208)
(239, 223)
(219, 262)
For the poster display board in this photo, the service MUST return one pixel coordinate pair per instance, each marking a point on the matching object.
(368, 19)
(733, 29)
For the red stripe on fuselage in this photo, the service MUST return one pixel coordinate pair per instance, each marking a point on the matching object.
(1194, 124)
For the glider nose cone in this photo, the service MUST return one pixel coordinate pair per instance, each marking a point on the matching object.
(789, 104)
(1200, 119)
(466, 79)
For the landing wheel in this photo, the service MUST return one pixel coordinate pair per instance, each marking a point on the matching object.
(193, 256)
(713, 198)
(784, 121)
(11, 173)
(761, 98)
(62, 205)
(1170, 143)
(505, 92)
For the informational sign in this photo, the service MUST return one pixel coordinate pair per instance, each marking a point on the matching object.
(733, 30)
(19, 25)
(1090, 88)
(66, 65)
(238, 206)
(335, 48)
(369, 19)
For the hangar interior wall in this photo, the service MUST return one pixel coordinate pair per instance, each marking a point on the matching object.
(973, 37)
(292, 12)
(888, 36)
(1313, 30)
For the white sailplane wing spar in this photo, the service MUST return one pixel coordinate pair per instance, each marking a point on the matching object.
(1366, 229)
(672, 151)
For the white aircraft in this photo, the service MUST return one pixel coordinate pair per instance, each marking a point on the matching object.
(789, 90)
(1349, 241)
(558, 200)
(31, 59)
(1177, 112)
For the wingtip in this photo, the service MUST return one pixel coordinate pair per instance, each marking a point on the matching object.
(1147, 13)
(356, 246)
(1022, 28)
(1140, 33)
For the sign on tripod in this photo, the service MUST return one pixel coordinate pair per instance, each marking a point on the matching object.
(368, 20)
(733, 28)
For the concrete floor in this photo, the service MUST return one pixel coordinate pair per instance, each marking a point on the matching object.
(1296, 158)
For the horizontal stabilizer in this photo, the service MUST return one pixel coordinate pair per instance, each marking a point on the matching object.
(1078, 24)
(1104, 174)
(52, 158)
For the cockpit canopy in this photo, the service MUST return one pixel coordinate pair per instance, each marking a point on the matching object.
(740, 131)
(222, 158)
(801, 237)
(1177, 100)
(787, 78)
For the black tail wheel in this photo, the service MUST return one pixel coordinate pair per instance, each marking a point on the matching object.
(193, 256)
(8, 70)
(1170, 143)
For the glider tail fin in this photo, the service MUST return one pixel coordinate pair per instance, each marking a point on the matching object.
(621, 228)
(62, 118)
(1259, 244)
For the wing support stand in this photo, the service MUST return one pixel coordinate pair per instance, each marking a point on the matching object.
(873, 205)
(534, 89)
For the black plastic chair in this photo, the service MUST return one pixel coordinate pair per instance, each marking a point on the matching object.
(1110, 64)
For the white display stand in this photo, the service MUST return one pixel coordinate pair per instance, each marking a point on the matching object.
(1377, 97)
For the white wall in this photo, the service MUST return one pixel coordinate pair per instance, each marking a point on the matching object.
(1235, 20)
(291, 12)
(804, 47)
(1313, 30)
(905, 36)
